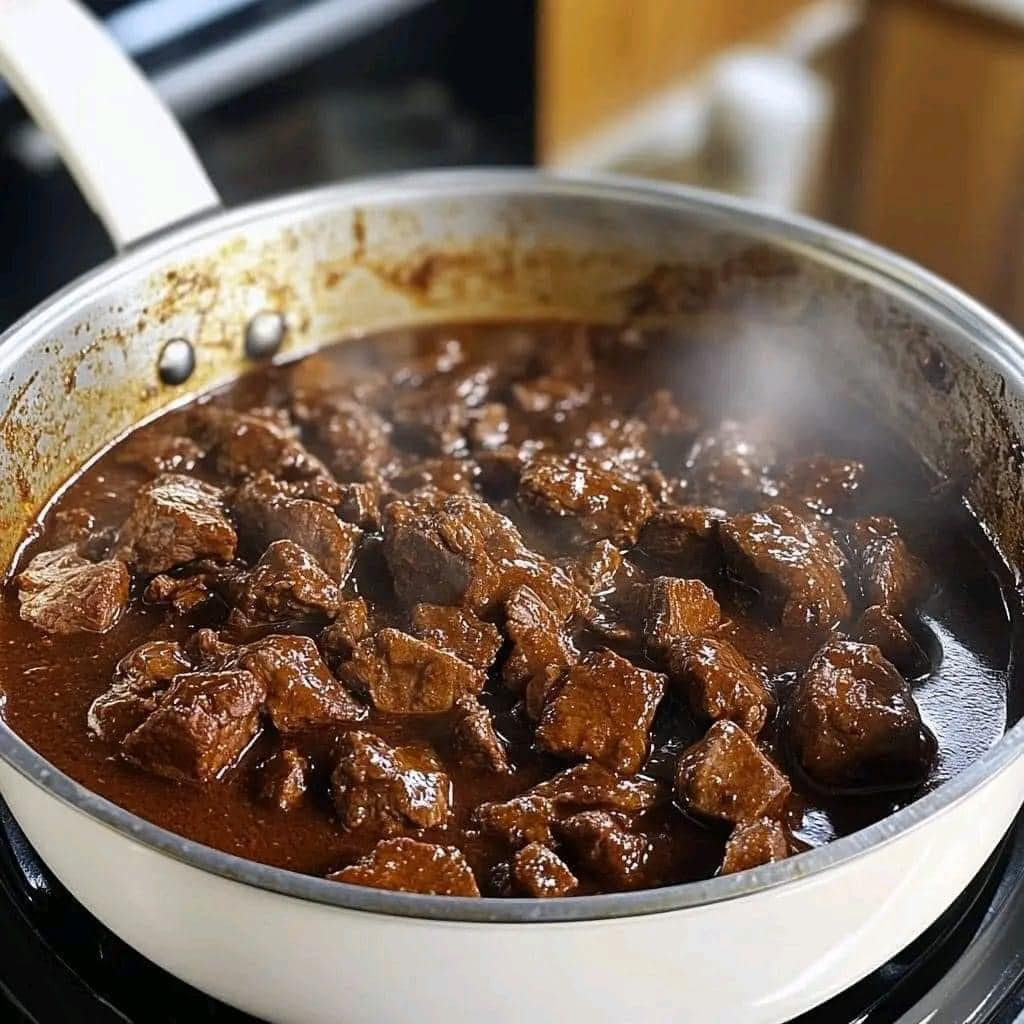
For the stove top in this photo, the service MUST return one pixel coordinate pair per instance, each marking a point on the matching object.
(58, 963)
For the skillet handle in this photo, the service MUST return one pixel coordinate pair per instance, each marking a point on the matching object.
(125, 150)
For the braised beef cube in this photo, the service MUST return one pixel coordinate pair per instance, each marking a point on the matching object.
(721, 683)
(324, 489)
(731, 463)
(618, 613)
(541, 650)
(452, 476)
(208, 650)
(355, 439)
(182, 593)
(405, 865)
(283, 779)
(603, 709)
(154, 452)
(897, 644)
(140, 677)
(594, 571)
(285, 584)
(539, 872)
(243, 444)
(488, 427)
(591, 786)
(616, 443)
(601, 844)
(676, 609)
(387, 788)
(62, 592)
(175, 519)
(665, 417)
(403, 675)
(597, 502)
(853, 724)
(890, 575)
(684, 538)
(517, 822)
(797, 567)
(359, 504)
(351, 624)
(754, 843)
(725, 776)
(549, 394)
(201, 725)
(825, 485)
(458, 632)
(266, 513)
(434, 417)
(474, 741)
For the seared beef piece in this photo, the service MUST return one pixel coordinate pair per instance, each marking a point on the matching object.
(601, 844)
(140, 677)
(685, 539)
(62, 592)
(265, 512)
(549, 394)
(594, 570)
(351, 624)
(541, 649)
(155, 452)
(284, 585)
(324, 489)
(405, 676)
(452, 476)
(725, 776)
(596, 502)
(797, 567)
(283, 779)
(890, 576)
(474, 741)
(665, 417)
(202, 722)
(731, 463)
(603, 709)
(388, 788)
(356, 440)
(618, 613)
(175, 519)
(537, 871)
(591, 786)
(853, 724)
(458, 632)
(720, 683)
(823, 484)
(404, 865)
(460, 551)
(359, 504)
(754, 843)
(488, 427)
(517, 822)
(182, 593)
(877, 626)
(677, 609)
(616, 443)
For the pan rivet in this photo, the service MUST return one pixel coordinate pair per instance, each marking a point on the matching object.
(177, 361)
(264, 334)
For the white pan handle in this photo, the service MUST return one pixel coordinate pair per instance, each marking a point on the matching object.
(129, 156)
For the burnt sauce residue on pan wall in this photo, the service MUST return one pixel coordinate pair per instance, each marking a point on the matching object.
(741, 716)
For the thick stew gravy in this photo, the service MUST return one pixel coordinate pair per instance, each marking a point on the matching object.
(529, 610)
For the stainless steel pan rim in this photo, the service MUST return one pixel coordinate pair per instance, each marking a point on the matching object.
(869, 262)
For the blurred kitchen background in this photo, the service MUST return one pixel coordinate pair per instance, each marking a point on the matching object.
(902, 120)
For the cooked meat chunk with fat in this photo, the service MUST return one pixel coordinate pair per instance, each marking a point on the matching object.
(726, 777)
(890, 576)
(459, 632)
(62, 592)
(474, 741)
(852, 722)
(603, 709)
(824, 485)
(896, 642)
(591, 786)
(539, 872)
(753, 843)
(405, 865)
(601, 843)
(720, 683)
(387, 788)
(517, 822)
(182, 593)
(283, 779)
(594, 570)
(351, 624)
(175, 519)
(685, 539)
(732, 462)
(677, 609)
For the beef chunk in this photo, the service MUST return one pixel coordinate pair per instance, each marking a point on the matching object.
(853, 724)
(601, 844)
(890, 576)
(61, 592)
(796, 567)
(285, 584)
(603, 710)
(518, 822)
(754, 843)
(246, 443)
(355, 439)
(541, 650)
(677, 609)
(598, 503)
(182, 593)
(359, 504)
(283, 779)
(685, 539)
(265, 512)
(876, 626)
(403, 675)
(155, 452)
(140, 677)
(474, 740)
(459, 551)
(200, 726)
(591, 786)
(175, 519)
(731, 463)
(388, 788)
(537, 871)
(720, 683)
(824, 485)
(593, 572)
(488, 427)
(726, 777)
(404, 865)
(616, 443)
(451, 476)
(351, 624)
(458, 632)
